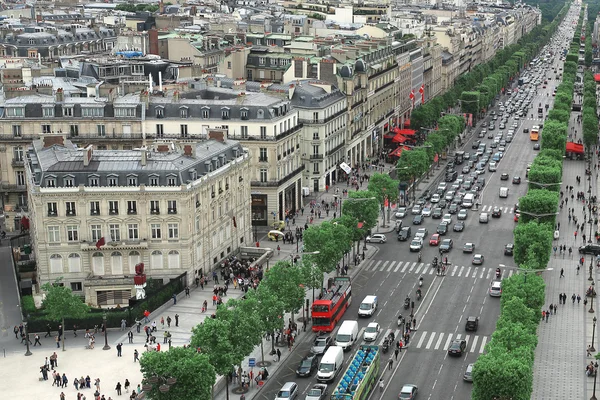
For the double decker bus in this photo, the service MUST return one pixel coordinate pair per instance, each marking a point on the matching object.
(534, 134)
(330, 307)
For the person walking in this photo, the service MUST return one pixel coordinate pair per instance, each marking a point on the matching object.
(37, 340)
(396, 353)
(578, 299)
(119, 348)
(176, 319)
(547, 315)
(127, 384)
(381, 385)
(390, 363)
(118, 388)
(136, 356)
(57, 339)
(573, 298)
(562, 273)
(169, 321)
(130, 336)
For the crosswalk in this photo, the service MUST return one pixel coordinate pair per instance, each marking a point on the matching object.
(461, 271)
(435, 340)
(489, 208)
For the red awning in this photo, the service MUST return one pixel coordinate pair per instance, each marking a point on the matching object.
(407, 123)
(397, 152)
(399, 138)
(389, 136)
(574, 148)
(597, 77)
(406, 132)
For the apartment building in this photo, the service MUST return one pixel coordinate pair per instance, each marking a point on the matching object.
(95, 214)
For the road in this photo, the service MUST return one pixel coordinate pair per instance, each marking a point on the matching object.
(448, 300)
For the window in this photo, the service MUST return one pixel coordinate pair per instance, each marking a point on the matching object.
(74, 130)
(113, 207)
(72, 233)
(116, 263)
(134, 259)
(273, 76)
(131, 207)
(172, 181)
(16, 131)
(48, 111)
(173, 230)
(153, 181)
(20, 177)
(46, 128)
(76, 286)
(160, 112)
(69, 181)
(263, 175)
(18, 111)
(244, 132)
(173, 259)
(92, 112)
(70, 207)
(125, 112)
(263, 132)
(53, 234)
(155, 231)
(18, 153)
(132, 180)
(133, 232)
(198, 223)
(51, 182)
(115, 232)
(225, 113)
(154, 207)
(94, 181)
(263, 154)
(183, 112)
(56, 264)
(205, 113)
(52, 209)
(156, 260)
(101, 130)
(228, 64)
(172, 206)
(183, 129)
(244, 114)
(315, 135)
(96, 232)
(160, 130)
(95, 208)
(113, 181)
(98, 263)
(261, 61)
(67, 111)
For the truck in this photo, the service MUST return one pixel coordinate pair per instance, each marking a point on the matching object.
(540, 112)
(361, 375)
(459, 157)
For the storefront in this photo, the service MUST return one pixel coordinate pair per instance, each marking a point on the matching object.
(259, 209)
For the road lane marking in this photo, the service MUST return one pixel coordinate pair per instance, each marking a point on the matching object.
(483, 342)
(474, 273)
(474, 345)
(391, 266)
(387, 332)
(422, 339)
(448, 342)
(383, 266)
(405, 266)
(430, 340)
(412, 266)
(439, 341)
(454, 270)
(468, 272)
(482, 273)
(419, 268)
(462, 267)
(377, 265)
(369, 265)
(398, 266)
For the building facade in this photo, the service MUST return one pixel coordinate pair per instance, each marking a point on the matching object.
(95, 214)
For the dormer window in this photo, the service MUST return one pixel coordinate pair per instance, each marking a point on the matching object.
(113, 180)
(51, 181)
(94, 180)
(132, 180)
(69, 181)
(67, 111)
(153, 180)
(260, 114)
(205, 113)
(125, 112)
(193, 174)
(225, 113)
(183, 112)
(244, 113)
(48, 111)
(172, 180)
(18, 111)
(160, 112)
(31, 41)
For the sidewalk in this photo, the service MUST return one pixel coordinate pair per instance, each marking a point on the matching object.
(560, 358)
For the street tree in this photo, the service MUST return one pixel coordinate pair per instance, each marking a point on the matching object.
(330, 240)
(529, 287)
(60, 302)
(285, 282)
(545, 175)
(193, 374)
(411, 165)
(502, 376)
(268, 312)
(514, 310)
(384, 187)
(535, 238)
(363, 206)
(510, 337)
(538, 204)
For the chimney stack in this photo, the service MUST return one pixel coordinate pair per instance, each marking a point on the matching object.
(60, 95)
(219, 136)
(160, 87)
(189, 150)
(50, 141)
(144, 154)
(87, 155)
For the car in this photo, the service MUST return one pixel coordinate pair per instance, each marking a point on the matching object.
(308, 365)
(476, 144)
(462, 214)
(590, 249)
(371, 332)
(536, 146)
(435, 239)
(442, 228)
(453, 209)
(525, 130)
(508, 249)
(376, 238)
(417, 219)
(450, 195)
(400, 212)
(442, 204)
(416, 244)
(477, 259)
(447, 218)
(496, 212)
(421, 202)
(457, 347)
(493, 145)
(435, 198)
(317, 392)
(466, 169)
(496, 289)
(422, 233)
(426, 212)
(468, 376)
(289, 391)
(483, 218)
(408, 392)
(468, 247)
(472, 324)
(480, 170)
(437, 213)
(516, 180)
(459, 226)
(404, 234)
(416, 210)
(446, 245)
(321, 344)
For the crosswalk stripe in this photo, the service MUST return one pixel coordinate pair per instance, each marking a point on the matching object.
(475, 338)
(462, 267)
(398, 266)
(391, 266)
(505, 210)
(510, 273)
(387, 332)
(361, 334)
(430, 340)
(423, 336)
(458, 336)
(474, 273)
(419, 268)
(383, 266)
(377, 265)
(454, 270)
(448, 341)
(405, 266)
(368, 267)
(467, 339)
(483, 342)
(439, 341)
(412, 267)
(468, 272)
(482, 273)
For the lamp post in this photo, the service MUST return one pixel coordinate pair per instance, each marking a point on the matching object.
(591, 268)
(524, 270)
(165, 386)
(591, 310)
(106, 346)
(592, 348)
(28, 352)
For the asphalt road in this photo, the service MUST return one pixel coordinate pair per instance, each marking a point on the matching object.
(394, 273)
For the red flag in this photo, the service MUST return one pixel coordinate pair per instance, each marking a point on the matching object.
(422, 89)
(100, 243)
(360, 225)
(386, 203)
(412, 94)
(24, 223)
(234, 223)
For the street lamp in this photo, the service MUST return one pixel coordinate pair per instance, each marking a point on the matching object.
(106, 346)
(165, 386)
(595, 376)
(591, 310)
(525, 270)
(592, 348)
(28, 352)
(544, 185)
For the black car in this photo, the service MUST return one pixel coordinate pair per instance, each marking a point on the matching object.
(451, 176)
(404, 234)
(516, 180)
(418, 219)
(308, 365)
(508, 249)
(437, 213)
(590, 249)
(496, 212)
(457, 348)
(504, 177)
(472, 324)
(442, 229)
(446, 246)
(459, 226)
(453, 209)
(442, 203)
(476, 144)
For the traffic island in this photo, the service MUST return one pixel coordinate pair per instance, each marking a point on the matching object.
(242, 389)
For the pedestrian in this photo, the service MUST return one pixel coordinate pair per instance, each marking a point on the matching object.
(578, 267)
(562, 273)
(169, 321)
(57, 339)
(37, 340)
(127, 384)
(176, 319)
(130, 336)
(278, 354)
(162, 322)
(396, 353)
(543, 314)
(119, 348)
(97, 384)
(174, 299)
(64, 380)
(578, 299)
(390, 363)
(62, 396)
(118, 388)
(589, 350)
(123, 324)
(381, 385)
(187, 291)
(136, 356)
(547, 315)
(48, 331)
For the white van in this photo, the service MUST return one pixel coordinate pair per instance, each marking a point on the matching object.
(331, 364)
(492, 166)
(468, 200)
(347, 335)
(503, 192)
(368, 306)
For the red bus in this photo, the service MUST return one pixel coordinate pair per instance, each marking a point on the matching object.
(329, 308)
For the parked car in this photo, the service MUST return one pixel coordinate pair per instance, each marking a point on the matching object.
(376, 238)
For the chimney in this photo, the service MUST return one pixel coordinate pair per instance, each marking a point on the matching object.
(60, 95)
(144, 98)
(189, 150)
(144, 154)
(176, 96)
(219, 136)
(162, 148)
(150, 83)
(87, 155)
(50, 141)
(160, 81)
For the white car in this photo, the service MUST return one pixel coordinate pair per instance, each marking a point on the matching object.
(376, 238)
(371, 332)
(435, 198)
(462, 214)
(426, 212)
(416, 244)
(416, 210)
(447, 218)
(400, 212)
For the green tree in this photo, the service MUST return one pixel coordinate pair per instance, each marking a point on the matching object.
(194, 374)
(529, 287)
(363, 206)
(533, 238)
(269, 313)
(384, 187)
(514, 310)
(60, 302)
(330, 240)
(538, 204)
(502, 376)
(512, 336)
(285, 282)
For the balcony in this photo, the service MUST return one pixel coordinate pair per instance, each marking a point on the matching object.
(172, 211)
(12, 187)
(52, 214)
(94, 212)
(131, 212)
(263, 159)
(155, 211)
(71, 213)
(113, 212)
(316, 156)
(17, 163)
(280, 136)
(279, 182)
(114, 136)
(323, 121)
(336, 149)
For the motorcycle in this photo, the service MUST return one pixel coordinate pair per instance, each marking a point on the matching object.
(421, 281)
(418, 294)
(498, 273)
(400, 320)
(386, 346)
(406, 303)
(434, 263)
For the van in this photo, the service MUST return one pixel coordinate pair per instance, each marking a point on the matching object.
(468, 200)
(496, 289)
(289, 391)
(503, 192)
(347, 335)
(331, 364)
(492, 167)
(368, 306)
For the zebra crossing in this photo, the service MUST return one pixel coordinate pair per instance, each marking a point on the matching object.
(435, 340)
(461, 271)
(489, 208)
